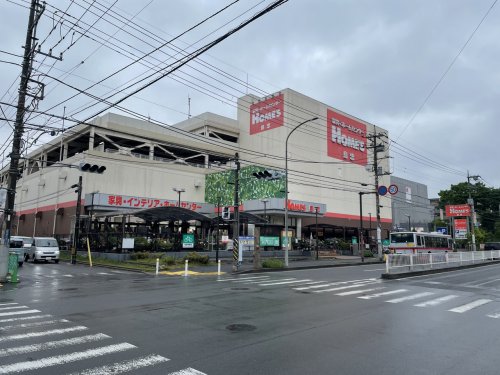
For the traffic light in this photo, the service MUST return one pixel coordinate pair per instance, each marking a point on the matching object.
(92, 168)
(226, 213)
(268, 174)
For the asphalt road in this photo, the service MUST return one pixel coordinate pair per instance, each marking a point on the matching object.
(74, 319)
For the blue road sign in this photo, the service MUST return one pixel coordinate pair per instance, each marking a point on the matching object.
(382, 190)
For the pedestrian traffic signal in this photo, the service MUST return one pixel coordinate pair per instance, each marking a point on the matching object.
(268, 174)
(226, 213)
(92, 168)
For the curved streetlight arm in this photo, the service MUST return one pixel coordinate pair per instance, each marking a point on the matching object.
(286, 185)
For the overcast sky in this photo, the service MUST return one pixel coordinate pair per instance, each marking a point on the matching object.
(377, 60)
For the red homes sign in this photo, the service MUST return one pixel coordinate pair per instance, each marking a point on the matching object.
(267, 114)
(457, 210)
(346, 138)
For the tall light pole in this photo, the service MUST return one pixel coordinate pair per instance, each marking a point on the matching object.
(179, 191)
(361, 239)
(265, 201)
(286, 186)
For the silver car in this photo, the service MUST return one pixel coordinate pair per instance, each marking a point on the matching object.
(44, 248)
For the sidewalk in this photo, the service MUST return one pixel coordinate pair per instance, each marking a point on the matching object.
(294, 264)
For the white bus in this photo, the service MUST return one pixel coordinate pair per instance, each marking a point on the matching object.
(419, 242)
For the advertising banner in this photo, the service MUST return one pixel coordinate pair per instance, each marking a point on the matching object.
(346, 138)
(457, 210)
(460, 228)
(267, 114)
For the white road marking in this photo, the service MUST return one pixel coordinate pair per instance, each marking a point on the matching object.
(434, 282)
(342, 287)
(436, 301)
(42, 333)
(376, 269)
(8, 320)
(187, 371)
(493, 315)
(9, 303)
(269, 280)
(376, 295)
(13, 307)
(103, 273)
(244, 278)
(359, 282)
(409, 298)
(487, 282)
(22, 312)
(126, 366)
(68, 275)
(470, 306)
(52, 344)
(65, 358)
(358, 291)
(33, 324)
(284, 282)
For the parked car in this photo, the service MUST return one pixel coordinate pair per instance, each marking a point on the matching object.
(492, 246)
(44, 248)
(16, 246)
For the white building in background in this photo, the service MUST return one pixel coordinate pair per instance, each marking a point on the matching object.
(330, 160)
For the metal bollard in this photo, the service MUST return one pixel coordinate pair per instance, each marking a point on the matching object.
(218, 267)
(157, 265)
(186, 267)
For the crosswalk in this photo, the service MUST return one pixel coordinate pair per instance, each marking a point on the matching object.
(58, 342)
(374, 289)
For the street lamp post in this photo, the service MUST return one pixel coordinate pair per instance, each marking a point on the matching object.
(179, 191)
(409, 222)
(265, 201)
(370, 232)
(317, 238)
(286, 185)
(361, 240)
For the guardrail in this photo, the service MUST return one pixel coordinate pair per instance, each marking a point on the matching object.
(402, 263)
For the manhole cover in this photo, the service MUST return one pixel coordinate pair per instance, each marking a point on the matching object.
(241, 327)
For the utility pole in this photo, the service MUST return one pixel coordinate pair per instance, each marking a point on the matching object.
(236, 223)
(376, 149)
(29, 49)
(76, 241)
(361, 237)
(470, 202)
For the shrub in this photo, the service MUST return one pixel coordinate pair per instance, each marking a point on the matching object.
(169, 261)
(194, 257)
(139, 255)
(368, 254)
(273, 263)
(141, 244)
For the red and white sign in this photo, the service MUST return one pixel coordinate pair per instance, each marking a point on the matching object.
(346, 138)
(460, 228)
(267, 114)
(457, 210)
(127, 201)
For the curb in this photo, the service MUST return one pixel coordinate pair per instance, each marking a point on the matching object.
(263, 270)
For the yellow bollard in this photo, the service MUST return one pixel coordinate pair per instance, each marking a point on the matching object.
(88, 249)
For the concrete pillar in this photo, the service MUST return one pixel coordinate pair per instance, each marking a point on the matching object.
(151, 151)
(91, 138)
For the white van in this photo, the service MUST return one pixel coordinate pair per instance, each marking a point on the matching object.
(26, 241)
(44, 248)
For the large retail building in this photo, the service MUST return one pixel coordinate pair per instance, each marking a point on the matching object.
(330, 161)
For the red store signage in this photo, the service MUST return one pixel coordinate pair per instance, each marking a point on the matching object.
(267, 114)
(346, 138)
(138, 202)
(457, 210)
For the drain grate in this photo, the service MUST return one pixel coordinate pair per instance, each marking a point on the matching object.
(241, 328)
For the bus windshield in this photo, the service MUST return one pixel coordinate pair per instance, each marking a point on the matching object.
(402, 237)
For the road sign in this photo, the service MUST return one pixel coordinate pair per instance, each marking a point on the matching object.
(442, 230)
(382, 190)
(354, 240)
(393, 189)
(269, 241)
(386, 243)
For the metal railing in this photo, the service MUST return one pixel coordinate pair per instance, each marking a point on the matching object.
(402, 263)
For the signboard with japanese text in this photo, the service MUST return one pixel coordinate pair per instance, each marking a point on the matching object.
(460, 228)
(187, 240)
(269, 241)
(346, 138)
(457, 210)
(127, 201)
(267, 114)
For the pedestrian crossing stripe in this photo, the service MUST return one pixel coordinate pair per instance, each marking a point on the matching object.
(33, 324)
(284, 282)
(188, 371)
(470, 306)
(352, 292)
(436, 301)
(383, 294)
(125, 366)
(42, 333)
(410, 297)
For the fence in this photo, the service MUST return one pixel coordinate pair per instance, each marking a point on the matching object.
(402, 263)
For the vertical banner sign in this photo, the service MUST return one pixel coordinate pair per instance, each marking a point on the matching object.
(460, 229)
(267, 114)
(346, 138)
(408, 194)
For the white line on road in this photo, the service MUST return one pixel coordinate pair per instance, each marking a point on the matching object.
(376, 269)
(269, 280)
(342, 287)
(8, 320)
(244, 278)
(65, 358)
(52, 344)
(359, 282)
(13, 308)
(376, 295)
(187, 371)
(350, 293)
(409, 298)
(470, 306)
(487, 282)
(9, 303)
(33, 324)
(126, 366)
(285, 282)
(22, 312)
(436, 301)
(42, 333)
(493, 315)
